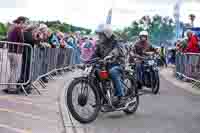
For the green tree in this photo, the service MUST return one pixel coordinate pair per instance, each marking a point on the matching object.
(3, 31)
(64, 27)
(132, 30)
(121, 35)
(160, 28)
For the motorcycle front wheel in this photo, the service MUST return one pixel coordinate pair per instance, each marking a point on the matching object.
(156, 83)
(83, 101)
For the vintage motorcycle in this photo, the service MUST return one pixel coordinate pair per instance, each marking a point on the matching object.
(95, 92)
(151, 77)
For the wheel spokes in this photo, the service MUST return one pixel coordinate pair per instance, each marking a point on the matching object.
(87, 91)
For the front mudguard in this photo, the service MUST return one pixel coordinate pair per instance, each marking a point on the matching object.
(81, 78)
(93, 83)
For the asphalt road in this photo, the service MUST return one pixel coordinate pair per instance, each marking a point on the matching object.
(174, 110)
(33, 113)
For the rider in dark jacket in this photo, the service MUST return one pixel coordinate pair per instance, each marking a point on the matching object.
(107, 46)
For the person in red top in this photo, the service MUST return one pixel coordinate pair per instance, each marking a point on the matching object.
(192, 45)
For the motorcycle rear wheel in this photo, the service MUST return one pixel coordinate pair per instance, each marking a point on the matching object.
(132, 109)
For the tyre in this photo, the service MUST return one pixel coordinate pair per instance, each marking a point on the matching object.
(156, 85)
(133, 107)
(83, 97)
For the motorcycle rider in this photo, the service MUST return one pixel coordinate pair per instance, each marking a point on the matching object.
(163, 55)
(138, 54)
(108, 46)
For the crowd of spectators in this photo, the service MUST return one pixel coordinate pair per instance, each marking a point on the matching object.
(189, 44)
(187, 57)
(40, 36)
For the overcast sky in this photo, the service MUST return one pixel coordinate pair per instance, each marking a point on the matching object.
(89, 13)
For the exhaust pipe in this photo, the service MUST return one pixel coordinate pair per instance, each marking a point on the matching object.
(126, 106)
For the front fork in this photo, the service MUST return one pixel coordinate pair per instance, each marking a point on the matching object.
(109, 97)
(84, 90)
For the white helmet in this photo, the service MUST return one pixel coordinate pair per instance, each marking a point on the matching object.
(143, 33)
(105, 29)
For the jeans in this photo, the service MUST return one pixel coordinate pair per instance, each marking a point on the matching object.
(115, 74)
(139, 71)
(15, 68)
(4, 68)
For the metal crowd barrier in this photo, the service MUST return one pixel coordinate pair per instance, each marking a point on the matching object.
(21, 65)
(188, 66)
(48, 61)
(15, 64)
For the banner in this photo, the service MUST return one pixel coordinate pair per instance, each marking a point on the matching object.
(177, 17)
(109, 17)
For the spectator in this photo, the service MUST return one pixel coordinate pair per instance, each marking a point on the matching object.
(15, 31)
(44, 35)
(77, 37)
(81, 41)
(192, 45)
(15, 34)
(71, 42)
(163, 55)
(41, 35)
(4, 67)
(29, 38)
(66, 37)
(49, 36)
(178, 46)
(183, 45)
(87, 50)
(76, 49)
(53, 40)
(62, 42)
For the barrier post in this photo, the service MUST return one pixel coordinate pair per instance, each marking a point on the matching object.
(16, 65)
(189, 66)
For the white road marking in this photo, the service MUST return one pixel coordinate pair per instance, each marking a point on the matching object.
(27, 115)
(13, 99)
(15, 129)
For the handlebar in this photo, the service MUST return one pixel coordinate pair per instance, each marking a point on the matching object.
(151, 57)
(100, 60)
(107, 58)
(95, 61)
